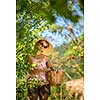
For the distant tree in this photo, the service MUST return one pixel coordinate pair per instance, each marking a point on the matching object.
(31, 14)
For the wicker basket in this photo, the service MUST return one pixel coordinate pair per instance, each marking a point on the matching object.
(56, 77)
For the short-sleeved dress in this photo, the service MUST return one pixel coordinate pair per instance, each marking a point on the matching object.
(40, 77)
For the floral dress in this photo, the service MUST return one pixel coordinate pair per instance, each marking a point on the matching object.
(38, 78)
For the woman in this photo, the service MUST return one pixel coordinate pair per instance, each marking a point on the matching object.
(39, 72)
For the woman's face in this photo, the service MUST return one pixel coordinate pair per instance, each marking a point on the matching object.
(43, 45)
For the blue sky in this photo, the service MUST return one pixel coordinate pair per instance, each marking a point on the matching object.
(58, 39)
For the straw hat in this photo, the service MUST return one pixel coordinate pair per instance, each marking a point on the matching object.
(49, 49)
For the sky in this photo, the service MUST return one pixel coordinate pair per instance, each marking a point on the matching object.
(58, 39)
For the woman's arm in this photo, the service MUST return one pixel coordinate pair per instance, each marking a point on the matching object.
(49, 72)
(49, 65)
(28, 59)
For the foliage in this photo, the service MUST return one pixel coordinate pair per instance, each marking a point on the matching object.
(23, 48)
(32, 18)
(37, 15)
(72, 62)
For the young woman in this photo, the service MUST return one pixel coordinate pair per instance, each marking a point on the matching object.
(39, 72)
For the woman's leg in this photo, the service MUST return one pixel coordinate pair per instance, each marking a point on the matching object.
(44, 92)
